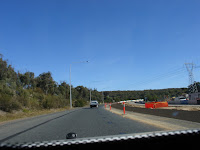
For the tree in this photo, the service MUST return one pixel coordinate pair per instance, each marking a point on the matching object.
(63, 89)
(27, 80)
(46, 82)
(3, 69)
(83, 92)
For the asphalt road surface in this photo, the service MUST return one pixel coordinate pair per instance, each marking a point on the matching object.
(86, 122)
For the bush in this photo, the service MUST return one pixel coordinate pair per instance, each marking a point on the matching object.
(39, 97)
(79, 103)
(34, 103)
(23, 101)
(47, 103)
(53, 101)
(8, 104)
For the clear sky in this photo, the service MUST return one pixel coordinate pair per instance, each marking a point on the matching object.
(130, 44)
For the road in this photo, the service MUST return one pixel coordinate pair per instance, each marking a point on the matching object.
(86, 122)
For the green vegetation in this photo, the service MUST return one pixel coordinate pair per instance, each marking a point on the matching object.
(25, 92)
(151, 95)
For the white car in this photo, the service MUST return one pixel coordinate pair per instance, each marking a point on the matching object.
(183, 99)
(94, 103)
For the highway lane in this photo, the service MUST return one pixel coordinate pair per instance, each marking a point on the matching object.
(86, 122)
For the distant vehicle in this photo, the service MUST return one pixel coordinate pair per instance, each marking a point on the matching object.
(94, 103)
(183, 99)
(180, 98)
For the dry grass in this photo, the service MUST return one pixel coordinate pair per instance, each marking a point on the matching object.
(26, 113)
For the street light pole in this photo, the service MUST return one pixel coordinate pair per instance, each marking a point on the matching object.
(90, 95)
(70, 87)
(102, 97)
(71, 81)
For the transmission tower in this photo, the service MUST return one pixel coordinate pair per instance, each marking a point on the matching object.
(192, 84)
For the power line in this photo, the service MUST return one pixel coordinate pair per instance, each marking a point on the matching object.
(161, 76)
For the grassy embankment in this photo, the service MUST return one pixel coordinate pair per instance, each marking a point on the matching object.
(25, 113)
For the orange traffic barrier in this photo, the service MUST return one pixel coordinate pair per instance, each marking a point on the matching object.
(160, 104)
(149, 105)
(124, 107)
(156, 104)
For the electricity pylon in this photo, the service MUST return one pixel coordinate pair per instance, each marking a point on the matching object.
(192, 84)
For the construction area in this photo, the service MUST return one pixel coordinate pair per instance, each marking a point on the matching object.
(169, 106)
(176, 112)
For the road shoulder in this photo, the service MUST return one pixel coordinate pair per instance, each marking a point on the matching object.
(161, 122)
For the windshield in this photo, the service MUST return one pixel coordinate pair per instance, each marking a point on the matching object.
(97, 68)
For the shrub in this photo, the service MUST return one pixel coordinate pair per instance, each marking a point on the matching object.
(79, 103)
(34, 103)
(23, 101)
(8, 104)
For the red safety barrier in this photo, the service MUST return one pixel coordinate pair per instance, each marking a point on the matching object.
(110, 106)
(149, 105)
(124, 107)
(105, 105)
(156, 104)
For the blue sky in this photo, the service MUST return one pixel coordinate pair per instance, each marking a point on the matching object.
(131, 44)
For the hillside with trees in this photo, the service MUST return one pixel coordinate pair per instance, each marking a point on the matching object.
(149, 95)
